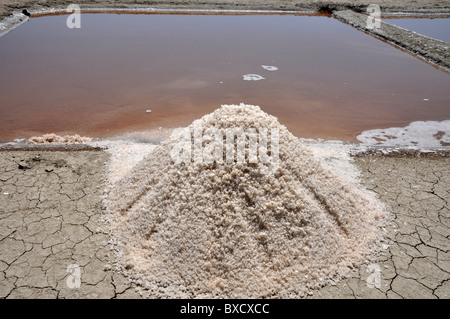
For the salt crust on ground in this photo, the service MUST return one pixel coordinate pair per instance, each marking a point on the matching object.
(420, 133)
(202, 230)
(129, 149)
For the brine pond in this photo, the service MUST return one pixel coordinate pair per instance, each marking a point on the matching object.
(127, 72)
(437, 28)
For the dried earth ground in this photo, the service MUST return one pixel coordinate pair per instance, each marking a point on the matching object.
(50, 218)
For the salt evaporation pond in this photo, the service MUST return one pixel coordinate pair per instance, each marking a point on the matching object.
(118, 73)
(438, 28)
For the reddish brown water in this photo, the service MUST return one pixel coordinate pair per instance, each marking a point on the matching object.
(333, 81)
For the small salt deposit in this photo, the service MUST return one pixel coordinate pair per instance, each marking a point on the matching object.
(421, 134)
(57, 139)
(233, 230)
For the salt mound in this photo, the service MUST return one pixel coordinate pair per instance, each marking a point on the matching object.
(238, 230)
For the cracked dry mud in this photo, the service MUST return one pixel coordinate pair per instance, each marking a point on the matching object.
(49, 219)
(50, 210)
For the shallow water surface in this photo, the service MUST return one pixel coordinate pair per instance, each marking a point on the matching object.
(438, 28)
(320, 77)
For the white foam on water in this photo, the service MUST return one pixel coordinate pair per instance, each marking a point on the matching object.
(269, 67)
(420, 134)
(252, 77)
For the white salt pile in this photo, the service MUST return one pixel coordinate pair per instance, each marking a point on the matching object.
(226, 229)
(57, 139)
